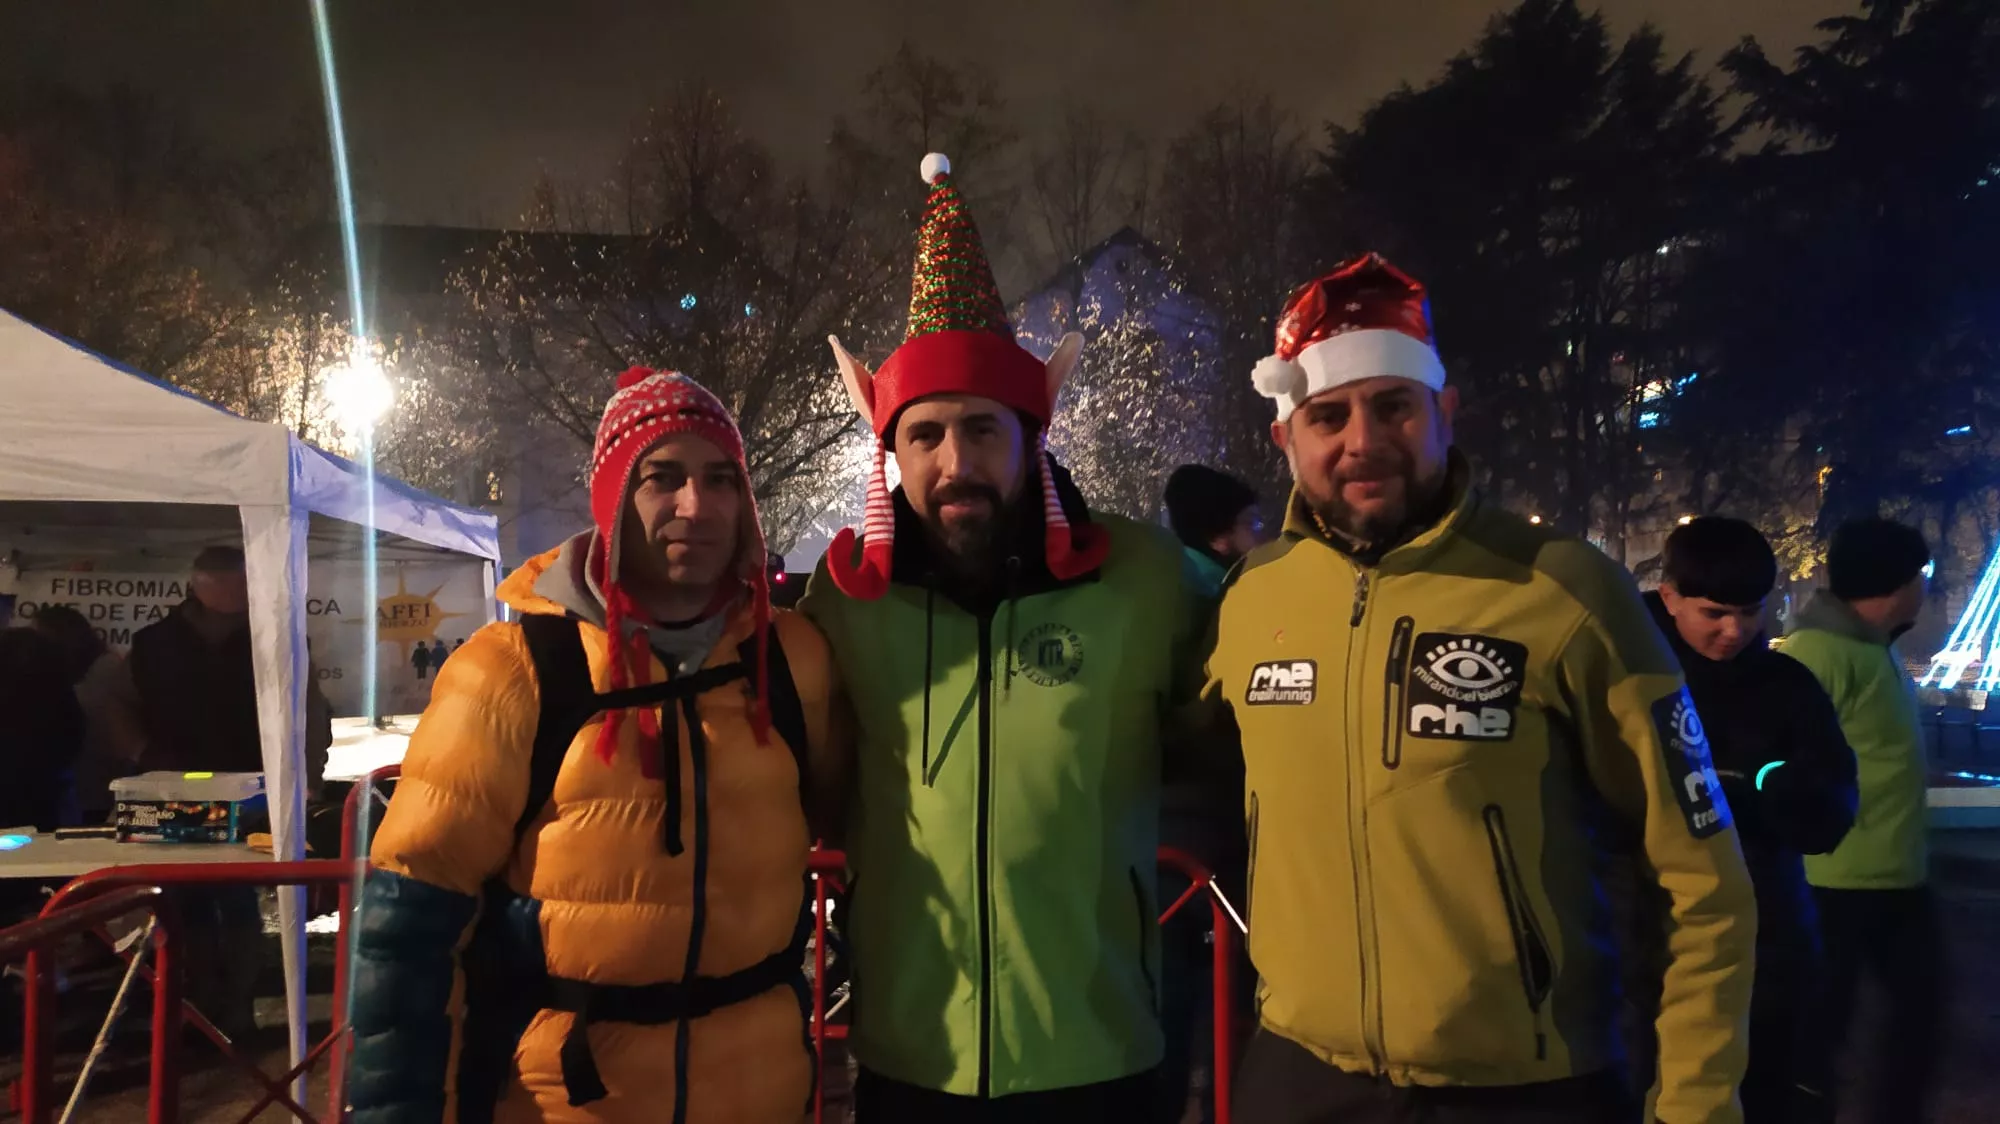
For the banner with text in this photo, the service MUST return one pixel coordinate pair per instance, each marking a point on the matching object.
(423, 612)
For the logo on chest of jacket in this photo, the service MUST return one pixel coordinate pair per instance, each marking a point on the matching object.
(1050, 655)
(1464, 687)
(1283, 683)
(1690, 767)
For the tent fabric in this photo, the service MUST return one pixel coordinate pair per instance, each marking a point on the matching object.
(81, 430)
(274, 564)
(80, 427)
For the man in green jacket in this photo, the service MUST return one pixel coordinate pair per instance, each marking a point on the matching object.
(1877, 914)
(1010, 656)
(1453, 724)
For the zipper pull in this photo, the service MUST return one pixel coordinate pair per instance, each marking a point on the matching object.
(1360, 598)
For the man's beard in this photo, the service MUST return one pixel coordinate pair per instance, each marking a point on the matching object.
(1383, 527)
(972, 544)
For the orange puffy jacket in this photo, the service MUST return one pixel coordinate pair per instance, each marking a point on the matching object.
(591, 893)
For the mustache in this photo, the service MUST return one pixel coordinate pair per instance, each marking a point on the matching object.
(963, 492)
(1380, 468)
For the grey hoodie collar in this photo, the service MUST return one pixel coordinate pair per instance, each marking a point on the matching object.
(568, 583)
(1827, 613)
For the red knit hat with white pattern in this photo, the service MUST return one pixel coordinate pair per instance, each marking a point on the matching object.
(958, 342)
(649, 407)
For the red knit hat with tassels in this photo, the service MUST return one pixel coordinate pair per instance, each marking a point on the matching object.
(649, 407)
(958, 342)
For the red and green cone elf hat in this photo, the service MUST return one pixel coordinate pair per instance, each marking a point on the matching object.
(958, 342)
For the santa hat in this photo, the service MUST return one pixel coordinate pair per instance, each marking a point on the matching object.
(958, 342)
(1367, 319)
(649, 407)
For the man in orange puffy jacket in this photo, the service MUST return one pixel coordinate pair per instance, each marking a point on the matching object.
(587, 901)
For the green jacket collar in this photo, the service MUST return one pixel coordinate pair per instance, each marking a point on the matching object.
(1462, 499)
(1827, 613)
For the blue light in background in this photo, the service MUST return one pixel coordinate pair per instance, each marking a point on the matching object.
(15, 842)
(1649, 419)
(1958, 431)
(687, 303)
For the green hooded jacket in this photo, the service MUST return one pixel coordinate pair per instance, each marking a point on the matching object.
(1002, 919)
(1858, 665)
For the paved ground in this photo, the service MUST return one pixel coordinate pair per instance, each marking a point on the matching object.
(1967, 872)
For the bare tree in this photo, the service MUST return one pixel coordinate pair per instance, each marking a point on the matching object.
(1084, 181)
(1136, 406)
(693, 256)
(1230, 198)
(915, 104)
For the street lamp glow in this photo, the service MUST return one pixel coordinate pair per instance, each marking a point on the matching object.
(358, 392)
(1685, 520)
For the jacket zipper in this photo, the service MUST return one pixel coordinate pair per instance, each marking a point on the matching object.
(1392, 697)
(1531, 949)
(982, 827)
(1358, 843)
(1146, 922)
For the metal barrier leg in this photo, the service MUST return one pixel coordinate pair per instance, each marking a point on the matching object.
(819, 999)
(1223, 1021)
(164, 1104)
(38, 1046)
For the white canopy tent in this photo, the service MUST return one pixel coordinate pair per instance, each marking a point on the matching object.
(94, 455)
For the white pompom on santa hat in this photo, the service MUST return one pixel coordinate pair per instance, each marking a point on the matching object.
(1366, 319)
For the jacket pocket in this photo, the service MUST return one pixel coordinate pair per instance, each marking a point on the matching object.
(1392, 692)
(1147, 920)
(1531, 948)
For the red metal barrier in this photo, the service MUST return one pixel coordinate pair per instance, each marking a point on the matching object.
(360, 797)
(1202, 881)
(163, 1101)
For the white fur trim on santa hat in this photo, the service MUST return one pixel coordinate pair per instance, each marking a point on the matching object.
(935, 164)
(1367, 353)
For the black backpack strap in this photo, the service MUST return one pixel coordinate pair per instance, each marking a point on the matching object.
(788, 714)
(562, 673)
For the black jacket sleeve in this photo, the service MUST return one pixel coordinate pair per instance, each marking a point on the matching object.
(1807, 795)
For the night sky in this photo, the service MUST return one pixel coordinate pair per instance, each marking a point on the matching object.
(454, 107)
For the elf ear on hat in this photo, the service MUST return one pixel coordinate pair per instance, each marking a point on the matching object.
(958, 342)
(1365, 320)
(649, 407)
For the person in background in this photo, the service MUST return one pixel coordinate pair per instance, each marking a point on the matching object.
(1877, 914)
(1216, 517)
(1217, 520)
(1451, 722)
(1789, 777)
(197, 690)
(41, 733)
(113, 737)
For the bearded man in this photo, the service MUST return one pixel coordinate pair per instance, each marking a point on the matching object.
(1011, 657)
(1453, 723)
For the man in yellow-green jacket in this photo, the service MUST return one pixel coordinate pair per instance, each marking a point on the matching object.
(1454, 724)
